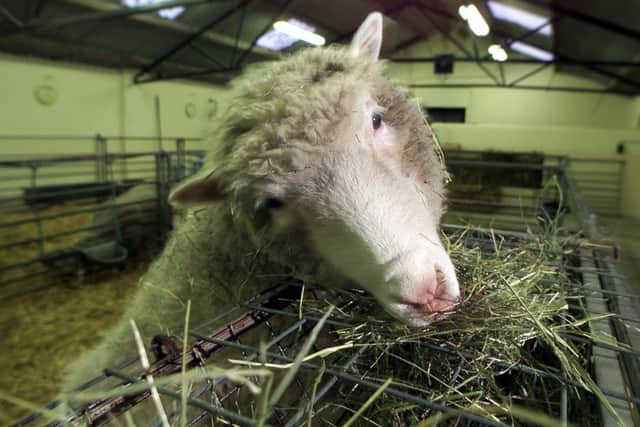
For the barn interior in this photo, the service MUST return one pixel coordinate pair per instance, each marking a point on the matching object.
(107, 104)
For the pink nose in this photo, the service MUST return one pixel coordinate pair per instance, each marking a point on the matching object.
(431, 297)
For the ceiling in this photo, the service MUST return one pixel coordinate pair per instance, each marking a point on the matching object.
(215, 39)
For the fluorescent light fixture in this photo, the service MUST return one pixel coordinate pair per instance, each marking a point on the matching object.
(498, 53)
(278, 40)
(519, 17)
(532, 51)
(293, 30)
(171, 12)
(474, 19)
(168, 13)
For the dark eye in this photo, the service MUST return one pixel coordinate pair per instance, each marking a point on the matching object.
(273, 203)
(376, 120)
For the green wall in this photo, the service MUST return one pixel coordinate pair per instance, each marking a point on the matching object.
(93, 100)
(554, 122)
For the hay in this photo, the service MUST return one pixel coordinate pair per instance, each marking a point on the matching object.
(44, 331)
(502, 355)
(514, 313)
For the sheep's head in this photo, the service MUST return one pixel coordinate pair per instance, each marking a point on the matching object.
(324, 145)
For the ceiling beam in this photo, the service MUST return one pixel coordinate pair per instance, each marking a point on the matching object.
(557, 61)
(59, 50)
(558, 55)
(427, 13)
(149, 68)
(523, 87)
(109, 12)
(576, 14)
(15, 22)
(175, 26)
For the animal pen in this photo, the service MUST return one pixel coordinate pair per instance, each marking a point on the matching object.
(547, 328)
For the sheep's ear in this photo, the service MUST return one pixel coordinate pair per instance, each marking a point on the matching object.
(368, 39)
(197, 190)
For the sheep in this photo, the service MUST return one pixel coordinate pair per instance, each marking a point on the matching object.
(322, 169)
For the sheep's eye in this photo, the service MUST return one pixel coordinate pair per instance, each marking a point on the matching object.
(376, 120)
(273, 203)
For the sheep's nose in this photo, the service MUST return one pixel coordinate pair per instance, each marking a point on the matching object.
(434, 295)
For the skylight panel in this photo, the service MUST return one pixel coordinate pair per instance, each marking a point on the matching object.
(278, 40)
(520, 17)
(532, 51)
(168, 13)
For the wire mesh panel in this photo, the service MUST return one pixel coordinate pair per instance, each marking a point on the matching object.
(504, 190)
(66, 214)
(524, 344)
(546, 329)
(600, 181)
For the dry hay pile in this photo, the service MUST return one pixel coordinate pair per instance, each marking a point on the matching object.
(503, 355)
(43, 331)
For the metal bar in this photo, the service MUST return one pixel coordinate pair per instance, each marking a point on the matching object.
(181, 45)
(81, 387)
(594, 290)
(422, 8)
(51, 236)
(264, 29)
(210, 58)
(536, 30)
(92, 137)
(324, 390)
(387, 12)
(243, 14)
(557, 54)
(36, 212)
(107, 15)
(557, 61)
(251, 357)
(545, 88)
(528, 74)
(442, 347)
(36, 260)
(599, 22)
(36, 10)
(97, 411)
(289, 314)
(232, 416)
(52, 160)
(7, 14)
(74, 212)
(593, 342)
(390, 391)
(616, 77)
(185, 75)
(496, 164)
(12, 280)
(630, 364)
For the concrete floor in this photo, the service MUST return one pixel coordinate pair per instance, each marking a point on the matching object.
(626, 232)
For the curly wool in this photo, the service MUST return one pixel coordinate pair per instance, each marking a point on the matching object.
(284, 114)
